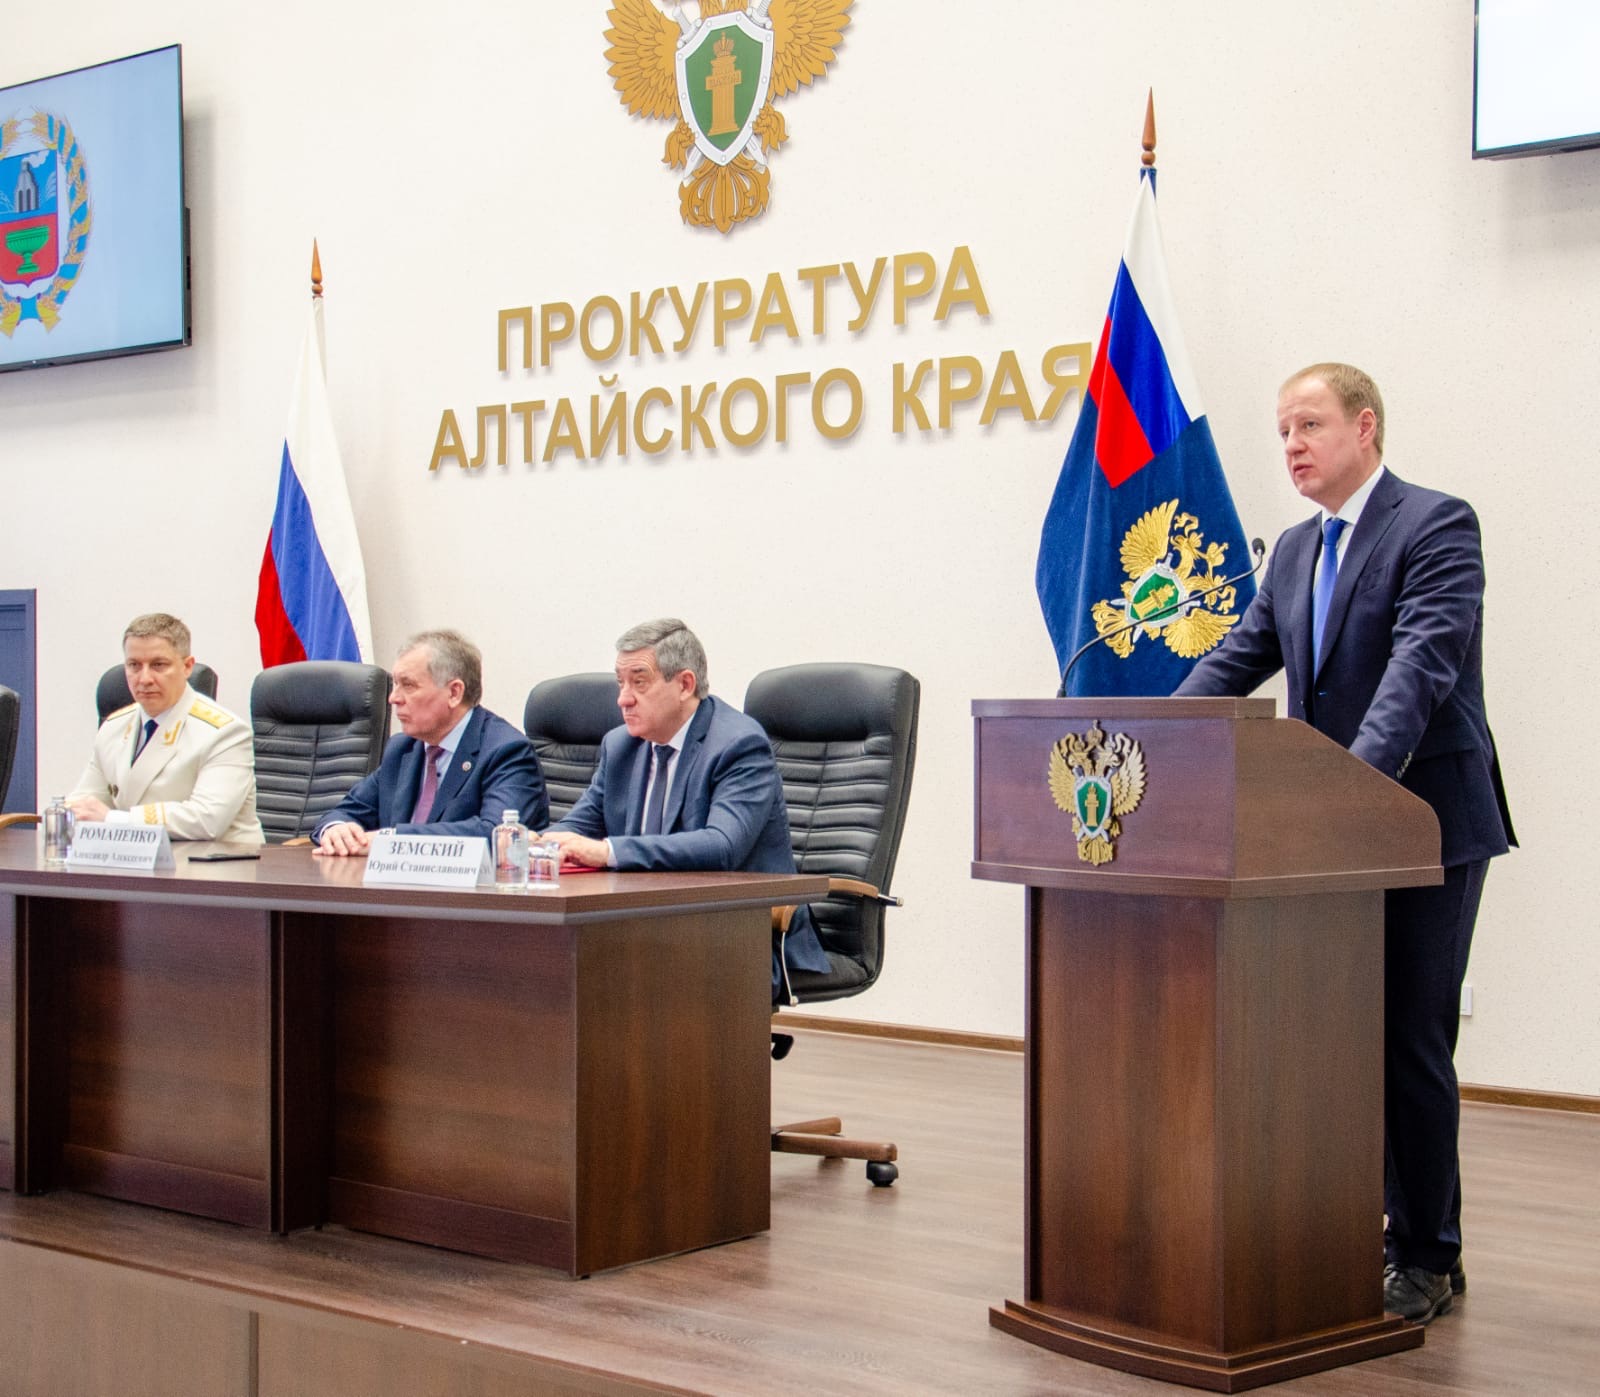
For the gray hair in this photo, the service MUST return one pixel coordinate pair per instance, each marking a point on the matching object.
(676, 649)
(451, 656)
(159, 626)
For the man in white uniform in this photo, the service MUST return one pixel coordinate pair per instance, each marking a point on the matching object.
(172, 757)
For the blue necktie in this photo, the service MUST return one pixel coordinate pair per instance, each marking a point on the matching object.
(658, 792)
(1327, 575)
(144, 740)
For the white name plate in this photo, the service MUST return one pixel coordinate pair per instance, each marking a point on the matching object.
(124, 848)
(427, 861)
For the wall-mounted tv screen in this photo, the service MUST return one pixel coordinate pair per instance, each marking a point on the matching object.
(1534, 87)
(93, 246)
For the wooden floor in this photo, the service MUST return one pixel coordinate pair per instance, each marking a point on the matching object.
(854, 1290)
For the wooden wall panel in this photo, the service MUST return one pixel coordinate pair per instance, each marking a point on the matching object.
(75, 1326)
(454, 1043)
(1123, 1033)
(650, 1182)
(169, 1065)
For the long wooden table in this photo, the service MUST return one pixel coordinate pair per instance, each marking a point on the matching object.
(577, 1078)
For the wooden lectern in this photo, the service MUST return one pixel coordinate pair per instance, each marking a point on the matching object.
(1204, 1175)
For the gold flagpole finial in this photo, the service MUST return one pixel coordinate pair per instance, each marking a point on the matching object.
(1149, 157)
(316, 271)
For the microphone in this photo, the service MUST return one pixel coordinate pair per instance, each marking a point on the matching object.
(1257, 548)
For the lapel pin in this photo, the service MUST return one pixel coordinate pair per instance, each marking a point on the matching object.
(466, 766)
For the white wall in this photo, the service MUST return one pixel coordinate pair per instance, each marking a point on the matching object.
(1318, 201)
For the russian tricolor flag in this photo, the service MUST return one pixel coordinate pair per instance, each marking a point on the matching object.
(312, 600)
(1141, 441)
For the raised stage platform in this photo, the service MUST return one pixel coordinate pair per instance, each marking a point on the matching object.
(854, 1290)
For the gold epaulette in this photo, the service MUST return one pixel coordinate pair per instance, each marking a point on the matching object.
(117, 713)
(207, 714)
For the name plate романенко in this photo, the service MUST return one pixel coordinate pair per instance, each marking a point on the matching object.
(427, 861)
(124, 848)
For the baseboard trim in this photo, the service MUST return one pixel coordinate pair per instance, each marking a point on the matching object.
(1539, 1100)
(905, 1033)
(1004, 1043)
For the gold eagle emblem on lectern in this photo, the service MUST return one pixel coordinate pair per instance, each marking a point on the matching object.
(718, 76)
(1096, 778)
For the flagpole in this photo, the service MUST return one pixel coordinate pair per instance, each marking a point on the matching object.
(316, 257)
(316, 307)
(1140, 446)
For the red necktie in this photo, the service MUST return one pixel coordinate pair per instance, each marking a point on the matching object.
(430, 786)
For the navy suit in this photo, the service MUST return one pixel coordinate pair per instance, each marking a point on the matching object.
(1401, 685)
(725, 810)
(492, 770)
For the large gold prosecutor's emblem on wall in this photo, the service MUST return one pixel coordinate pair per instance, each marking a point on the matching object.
(719, 77)
(1097, 778)
(1168, 560)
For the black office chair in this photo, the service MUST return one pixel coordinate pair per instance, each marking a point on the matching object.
(565, 719)
(10, 720)
(320, 726)
(113, 693)
(845, 739)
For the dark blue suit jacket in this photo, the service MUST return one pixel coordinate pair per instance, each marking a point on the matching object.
(493, 769)
(725, 810)
(1401, 678)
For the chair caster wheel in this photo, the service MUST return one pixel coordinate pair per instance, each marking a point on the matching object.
(882, 1172)
(781, 1043)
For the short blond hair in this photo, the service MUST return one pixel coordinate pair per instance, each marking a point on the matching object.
(157, 625)
(1354, 389)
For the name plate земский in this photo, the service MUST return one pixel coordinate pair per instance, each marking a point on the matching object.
(120, 847)
(427, 861)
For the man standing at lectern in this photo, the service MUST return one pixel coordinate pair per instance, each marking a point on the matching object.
(1374, 610)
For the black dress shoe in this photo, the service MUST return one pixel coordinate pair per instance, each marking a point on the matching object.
(1415, 1294)
(1458, 1278)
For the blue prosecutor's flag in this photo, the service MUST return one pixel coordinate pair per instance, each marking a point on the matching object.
(1141, 520)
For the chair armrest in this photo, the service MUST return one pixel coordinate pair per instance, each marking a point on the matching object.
(847, 887)
(854, 887)
(7, 821)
